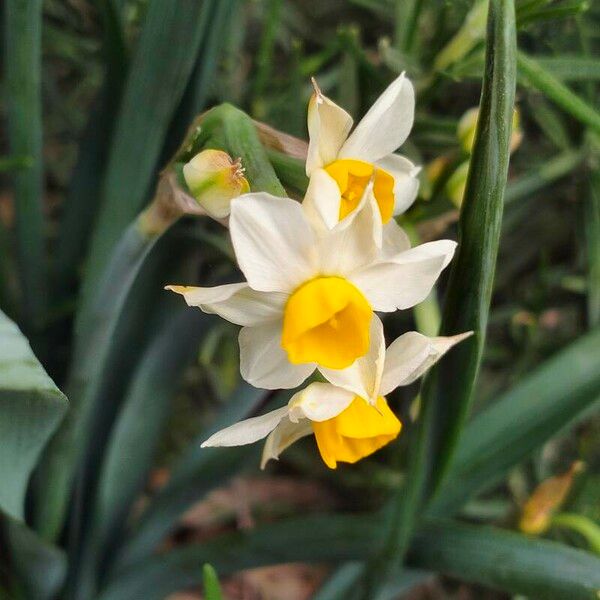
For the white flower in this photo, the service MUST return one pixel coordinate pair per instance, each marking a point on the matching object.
(310, 295)
(350, 160)
(349, 416)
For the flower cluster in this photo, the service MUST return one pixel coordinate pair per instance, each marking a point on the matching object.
(318, 272)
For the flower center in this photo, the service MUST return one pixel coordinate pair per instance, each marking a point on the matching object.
(353, 176)
(356, 432)
(326, 321)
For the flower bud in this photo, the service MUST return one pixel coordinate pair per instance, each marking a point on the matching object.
(456, 184)
(468, 124)
(214, 179)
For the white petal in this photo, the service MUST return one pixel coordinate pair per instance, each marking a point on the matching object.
(395, 240)
(408, 357)
(321, 203)
(405, 280)
(235, 302)
(273, 242)
(406, 183)
(363, 376)
(353, 242)
(328, 127)
(385, 127)
(247, 431)
(264, 363)
(319, 402)
(283, 436)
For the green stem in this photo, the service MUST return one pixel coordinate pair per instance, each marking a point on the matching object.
(582, 525)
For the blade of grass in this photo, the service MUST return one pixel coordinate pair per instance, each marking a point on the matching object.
(446, 392)
(160, 68)
(535, 75)
(22, 67)
(592, 231)
(553, 397)
(210, 580)
(483, 555)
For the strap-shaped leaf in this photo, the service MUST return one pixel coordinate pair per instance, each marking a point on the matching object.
(31, 407)
(551, 398)
(447, 390)
(23, 91)
(484, 555)
(39, 567)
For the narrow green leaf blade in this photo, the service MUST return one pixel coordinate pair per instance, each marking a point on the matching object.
(31, 407)
(160, 67)
(558, 92)
(447, 390)
(39, 567)
(23, 58)
(483, 555)
(507, 561)
(592, 233)
(212, 588)
(551, 398)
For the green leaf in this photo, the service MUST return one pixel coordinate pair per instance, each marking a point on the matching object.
(536, 76)
(160, 68)
(31, 407)
(507, 561)
(483, 555)
(22, 85)
(94, 331)
(553, 397)
(82, 201)
(137, 433)
(212, 589)
(592, 234)
(447, 390)
(570, 68)
(39, 567)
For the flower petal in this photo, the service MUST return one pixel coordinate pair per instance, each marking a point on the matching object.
(319, 402)
(408, 357)
(247, 431)
(273, 242)
(353, 242)
(328, 128)
(283, 436)
(235, 302)
(395, 240)
(406, 279)
(406, 184)
(321, 202)
(363, 376)
(264, 363)
(386, 126)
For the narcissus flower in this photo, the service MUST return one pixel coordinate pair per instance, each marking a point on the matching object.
(352, 160)
(310, 295)
(349, 416)
(214, 179)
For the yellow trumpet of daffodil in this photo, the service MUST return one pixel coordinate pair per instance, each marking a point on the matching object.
(349, 416)
(310, 294)
(350, 160)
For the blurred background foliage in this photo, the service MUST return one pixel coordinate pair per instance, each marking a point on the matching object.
(96, 97)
